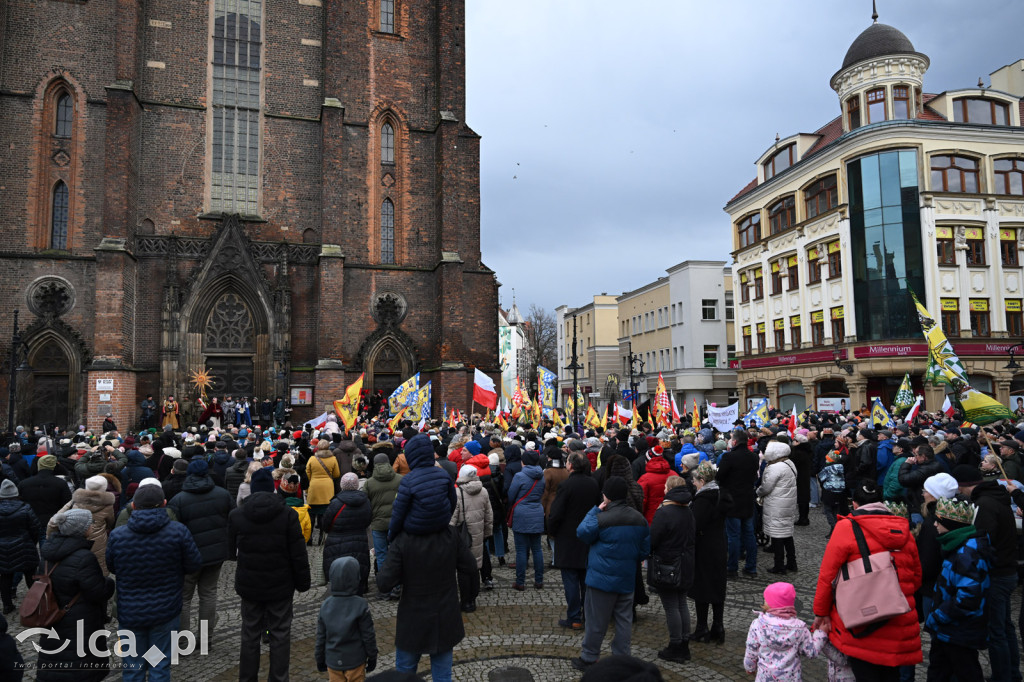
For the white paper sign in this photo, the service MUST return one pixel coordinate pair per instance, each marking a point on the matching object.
(104, 384)
(722, 418)
(104, 397)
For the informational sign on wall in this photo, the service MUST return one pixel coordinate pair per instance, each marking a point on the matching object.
(833, 404)
(104, 384)
(302, 395)
(104, 397)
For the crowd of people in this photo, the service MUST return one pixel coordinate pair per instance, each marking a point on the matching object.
(135, 527)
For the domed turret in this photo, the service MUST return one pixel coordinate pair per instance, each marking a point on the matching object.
(877, 40)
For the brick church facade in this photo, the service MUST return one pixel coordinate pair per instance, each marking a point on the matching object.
(284, 192)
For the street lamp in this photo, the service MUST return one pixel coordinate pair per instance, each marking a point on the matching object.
(574, 366)
(837, 356)
(1011, 351)
(18, 347)
(635, 375)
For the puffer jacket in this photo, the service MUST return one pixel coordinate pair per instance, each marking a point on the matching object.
(778, 492)
(619, 538)
(775, 645)
(382, 488)
(494, 484)
(344, 629)
(995, 517)
(101, 504)
(46, 493)
(265, 538)
(473, 506)
(620, 466)
(898, 642)
(135, 469)
(150, 556)
(653, 485)
(204, 507)
(690, 449)
(426, 495)
(77, 574)
(345, 522)
(235, 476)
(513, 463)
(19, 534)
(220, 461)
(959, 612)
(527, 488)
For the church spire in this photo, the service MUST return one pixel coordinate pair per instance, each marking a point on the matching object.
(874, 12)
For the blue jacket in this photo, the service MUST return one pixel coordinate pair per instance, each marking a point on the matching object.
(529, 514)
(150, 557)
(426, 495)
(690, 449)
(619, 538)
(135, 470)
(960, 592)
(883, 459)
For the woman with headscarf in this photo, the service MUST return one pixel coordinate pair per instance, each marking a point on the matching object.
(344, 524)
(76, 575)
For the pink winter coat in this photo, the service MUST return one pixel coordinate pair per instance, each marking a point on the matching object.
(775, 645)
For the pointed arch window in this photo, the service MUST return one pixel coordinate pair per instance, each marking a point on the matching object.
(59, 219)
(387, 232)
(65, 115)
(387, 144)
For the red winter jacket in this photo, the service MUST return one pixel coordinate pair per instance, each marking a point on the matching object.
(653, 484)
(898, 642)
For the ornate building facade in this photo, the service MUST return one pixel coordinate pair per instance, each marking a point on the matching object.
(286, 194)
(904, 191)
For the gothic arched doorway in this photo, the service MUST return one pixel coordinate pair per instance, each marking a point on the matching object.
(50, 399)
(229, 343)
(388, 364)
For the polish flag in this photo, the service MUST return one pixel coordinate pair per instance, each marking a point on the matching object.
(676, 417)
(912, 415)
(947, 407)
(318, 422)
(623, 414)
(483, 390)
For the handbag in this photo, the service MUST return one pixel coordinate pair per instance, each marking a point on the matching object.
(335, 481)
(463, 527)
(867, 589)
(512, 511)
(665, 574)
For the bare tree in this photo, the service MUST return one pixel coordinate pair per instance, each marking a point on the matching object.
(541, 341)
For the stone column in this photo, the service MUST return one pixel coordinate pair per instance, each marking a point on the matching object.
(858, 388)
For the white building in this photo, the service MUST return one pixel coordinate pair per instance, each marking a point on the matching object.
(513, 350)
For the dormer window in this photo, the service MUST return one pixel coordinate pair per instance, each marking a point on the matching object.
(900, 102)
(853, 112)
(981, 111)
(876, 105)
(781, 215)
(779, 162)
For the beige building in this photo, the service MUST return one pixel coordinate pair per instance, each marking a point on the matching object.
(903, 191)
(645, 329)
(596, 346)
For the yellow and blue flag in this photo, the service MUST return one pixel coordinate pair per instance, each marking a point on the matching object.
(758, 414)
(404, 394)
(880, 416)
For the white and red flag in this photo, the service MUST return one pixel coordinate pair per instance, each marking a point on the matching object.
(484, 391)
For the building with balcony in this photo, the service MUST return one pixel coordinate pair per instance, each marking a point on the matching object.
(904, 191)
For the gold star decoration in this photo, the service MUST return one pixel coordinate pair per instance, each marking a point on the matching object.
(202, 380)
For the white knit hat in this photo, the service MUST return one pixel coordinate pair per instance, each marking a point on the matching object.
(97, 483)
(467, 471)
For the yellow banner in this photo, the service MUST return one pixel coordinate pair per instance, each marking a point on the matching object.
(975, 232)
(950, 305)
(791, 261)
(818, 316)
(833, 247)
(760, 327)
(794, 321)
(943, 232)
(1013, 305)
(1007, 234)
(743, 277)
(780, 324)
(812, 253)
(979, 305)
(758, 273)
(837, 313)
(746, 330)
(775, 266)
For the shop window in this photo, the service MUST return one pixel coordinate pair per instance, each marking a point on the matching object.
(791, 394)
(757, 390)
(982, 384)
(711, 356)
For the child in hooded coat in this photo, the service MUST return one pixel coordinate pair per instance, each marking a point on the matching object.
(345, 639)
(777, 638)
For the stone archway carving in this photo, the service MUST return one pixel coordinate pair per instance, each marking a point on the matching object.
(230, 316)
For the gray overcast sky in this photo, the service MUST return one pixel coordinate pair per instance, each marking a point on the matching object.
(614, 132)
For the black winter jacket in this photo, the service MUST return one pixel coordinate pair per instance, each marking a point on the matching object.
(265, 538)
(46, 494)
(173, 485)
(204, 508)
(429, 568)
(576, 496)
(345, 522)
(235, 476)
(19, 534)
(912, 478)
(737, 475)
(673, 534)
(995, 517)
(77, 574)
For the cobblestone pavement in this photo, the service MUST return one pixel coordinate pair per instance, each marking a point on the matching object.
(519, 630)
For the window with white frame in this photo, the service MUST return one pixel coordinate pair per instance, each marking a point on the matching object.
(709, 309)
